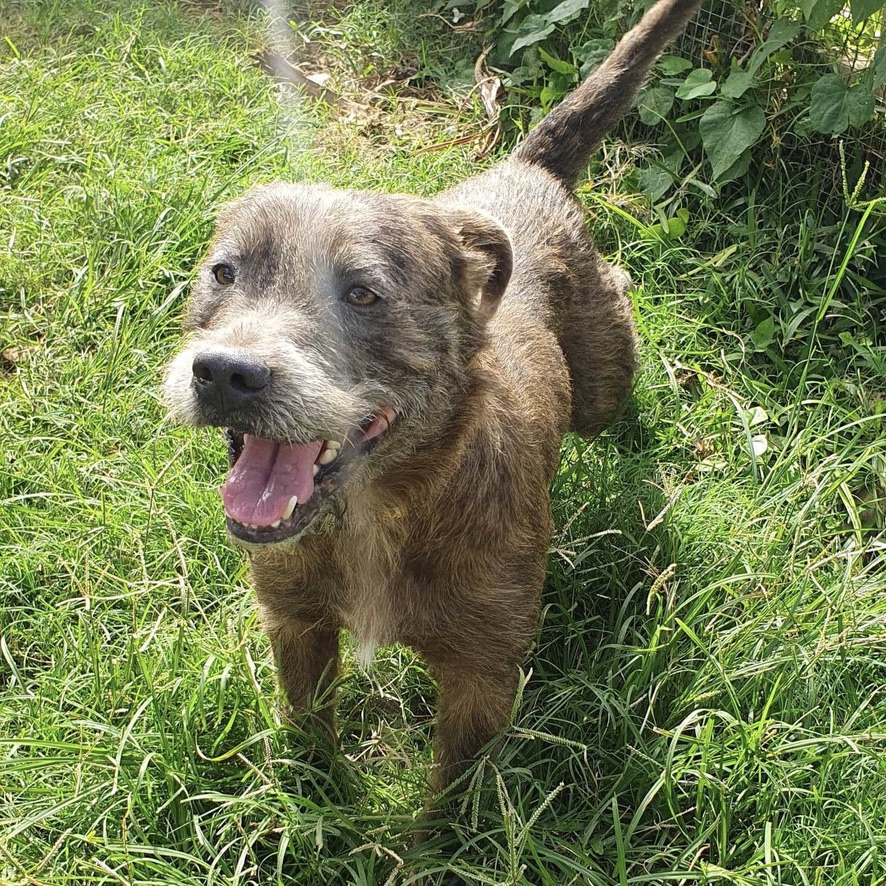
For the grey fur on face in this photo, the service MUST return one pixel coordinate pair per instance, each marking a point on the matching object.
(295, 252)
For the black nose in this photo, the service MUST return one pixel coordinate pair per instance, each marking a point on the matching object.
(228, 380)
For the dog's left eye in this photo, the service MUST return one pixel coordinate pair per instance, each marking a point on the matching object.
(360, 296)
(224, 274)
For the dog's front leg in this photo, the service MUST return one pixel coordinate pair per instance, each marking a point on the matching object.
(307, 666)
(473, 707)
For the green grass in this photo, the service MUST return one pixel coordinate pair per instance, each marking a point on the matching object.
(705, 702)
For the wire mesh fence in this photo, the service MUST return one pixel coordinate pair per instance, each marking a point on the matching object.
(727, 31)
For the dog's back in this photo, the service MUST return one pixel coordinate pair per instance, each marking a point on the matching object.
(578, 296)
(560, 288)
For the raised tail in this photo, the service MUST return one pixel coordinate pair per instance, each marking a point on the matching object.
(564, 140)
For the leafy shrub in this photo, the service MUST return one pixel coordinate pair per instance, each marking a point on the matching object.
(743, 76)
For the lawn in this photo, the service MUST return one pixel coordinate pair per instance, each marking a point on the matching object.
(705, 702)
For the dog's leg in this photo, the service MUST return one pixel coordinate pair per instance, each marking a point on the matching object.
(596, 333)
(307, 665)
(473, 707)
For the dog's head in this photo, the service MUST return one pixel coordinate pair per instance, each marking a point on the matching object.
(331, 334)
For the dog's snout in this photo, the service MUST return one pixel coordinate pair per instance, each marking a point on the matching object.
(229, 380)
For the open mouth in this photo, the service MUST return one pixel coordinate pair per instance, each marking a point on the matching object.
(275, 490)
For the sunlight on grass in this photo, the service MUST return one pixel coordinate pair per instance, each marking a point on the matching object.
(705, 703)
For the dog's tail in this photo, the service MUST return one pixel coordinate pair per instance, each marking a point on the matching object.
(564, 140)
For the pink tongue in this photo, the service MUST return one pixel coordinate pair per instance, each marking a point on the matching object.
(265, 478)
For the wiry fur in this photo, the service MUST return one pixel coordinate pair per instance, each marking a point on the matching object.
(499, 328)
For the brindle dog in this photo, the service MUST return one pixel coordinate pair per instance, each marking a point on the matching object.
(395, 376)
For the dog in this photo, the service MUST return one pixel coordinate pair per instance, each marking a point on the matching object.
(395, 376)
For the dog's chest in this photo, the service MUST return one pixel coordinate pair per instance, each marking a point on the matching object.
(369, 556)
(370, 618)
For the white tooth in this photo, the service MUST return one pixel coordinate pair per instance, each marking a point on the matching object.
(275, 524)
(333, 444)
(290, 507)
(327, 456)
(246, 438)
(316, 469)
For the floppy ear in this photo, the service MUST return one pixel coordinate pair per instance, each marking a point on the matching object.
(489, 259)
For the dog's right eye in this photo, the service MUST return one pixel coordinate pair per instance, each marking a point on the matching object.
(361, 297)
(224, 274)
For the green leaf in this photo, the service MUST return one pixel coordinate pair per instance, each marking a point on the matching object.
(675, 226)
(510, 8)
(835, 106)
(557, 64)
(671, 228)
(727, 132)
(567, 10)
(807, 7)
(780, 33)
(819, 12)
(737, 170)
(550, 94)
(704, 187)
(764, 333)
(592, 54)
(758, 415)
(698, 82)
(736, 84)
(862, 9)
(879, 66)
(533, 29)
(673, 64)
(860, 104)
(655, 182)
(655, 104)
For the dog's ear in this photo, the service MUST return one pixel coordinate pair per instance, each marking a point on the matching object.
(489, 259)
